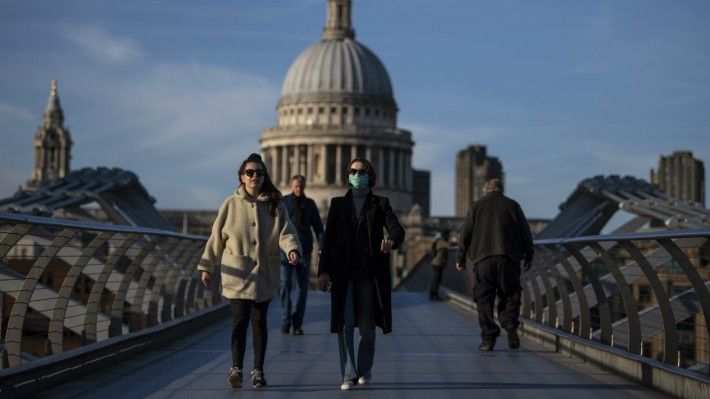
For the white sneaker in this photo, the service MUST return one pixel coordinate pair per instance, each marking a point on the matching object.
(347, 384)
(365, 379)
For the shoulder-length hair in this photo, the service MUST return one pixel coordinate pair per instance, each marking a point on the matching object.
(267, 187)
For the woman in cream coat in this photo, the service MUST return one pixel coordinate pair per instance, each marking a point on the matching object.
(252, 226)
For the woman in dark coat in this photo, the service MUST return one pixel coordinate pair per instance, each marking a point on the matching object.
(355, 259)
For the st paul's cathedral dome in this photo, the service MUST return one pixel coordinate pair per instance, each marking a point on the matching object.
(337, 104)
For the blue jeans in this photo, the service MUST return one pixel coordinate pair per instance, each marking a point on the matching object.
(360, 301)
(302, 270)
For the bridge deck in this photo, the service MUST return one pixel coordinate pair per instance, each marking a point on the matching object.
(431, 353)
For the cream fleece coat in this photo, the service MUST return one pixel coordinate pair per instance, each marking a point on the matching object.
(246, 240)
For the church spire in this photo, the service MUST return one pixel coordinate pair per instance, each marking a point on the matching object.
(338, 24)
(52, 143)
(53, 114)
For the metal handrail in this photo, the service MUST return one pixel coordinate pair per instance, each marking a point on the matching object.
(590, 286)
(138, 277)
(647, 235)
(57, 222)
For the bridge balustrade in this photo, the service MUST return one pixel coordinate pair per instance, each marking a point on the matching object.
(66, 283)
(646, 293)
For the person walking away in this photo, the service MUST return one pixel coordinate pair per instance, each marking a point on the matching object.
(440, 257)
(496, 237)
(355, 259)
(252, 225)
(304, 216)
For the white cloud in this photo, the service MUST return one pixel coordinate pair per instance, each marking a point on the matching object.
(176, 125)
(102, 45)
(195, 114)
(15, 112)
(198, 102)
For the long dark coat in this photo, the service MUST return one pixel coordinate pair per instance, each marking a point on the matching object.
(338, 253)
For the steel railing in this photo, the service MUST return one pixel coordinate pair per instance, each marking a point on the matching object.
(67, 283)
(646, 293)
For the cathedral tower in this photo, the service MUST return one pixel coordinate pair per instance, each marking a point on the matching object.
(52, 144)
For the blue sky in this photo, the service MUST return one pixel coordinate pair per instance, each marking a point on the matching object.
(179, 91)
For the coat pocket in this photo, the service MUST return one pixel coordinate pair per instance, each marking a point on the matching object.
(236, 269)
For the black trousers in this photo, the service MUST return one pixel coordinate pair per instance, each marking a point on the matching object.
(437, 272)
(497, 276)
(244, 310)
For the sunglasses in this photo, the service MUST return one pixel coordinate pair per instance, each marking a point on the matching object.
(358, 172)
(252, 172)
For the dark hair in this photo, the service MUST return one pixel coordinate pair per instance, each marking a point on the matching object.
(370, 171)
(267, 187)
(299, 177)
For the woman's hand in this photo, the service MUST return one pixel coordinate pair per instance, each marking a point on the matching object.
(205, 278)
(293, 257)
(386, 245)
(323, 281)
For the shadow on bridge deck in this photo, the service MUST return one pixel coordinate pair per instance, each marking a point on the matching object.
(431, 353)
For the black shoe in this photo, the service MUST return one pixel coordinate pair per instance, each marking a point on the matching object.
(257, 379)
(486, 346)
(436, 297)
(297, 331)
(285, 328)
(234, 377)
(513, 338)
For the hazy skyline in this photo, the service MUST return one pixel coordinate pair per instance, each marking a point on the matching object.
(178, 92)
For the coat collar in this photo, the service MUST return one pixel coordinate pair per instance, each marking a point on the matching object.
(369, 197)
(242, 194)
(368, 208)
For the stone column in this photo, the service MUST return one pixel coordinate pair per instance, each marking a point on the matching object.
(338, 164)
(309, 163)
(402, 173)
(368, 152)
(408, 176)
(296, 161)
(390, 178)
(353, 151)
(323, 165)
(381, 165)
(284, 165)
(274, 167)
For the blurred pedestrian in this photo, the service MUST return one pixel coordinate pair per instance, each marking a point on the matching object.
(439, 259)
(304, 216)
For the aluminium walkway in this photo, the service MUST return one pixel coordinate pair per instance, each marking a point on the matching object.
(432, 353)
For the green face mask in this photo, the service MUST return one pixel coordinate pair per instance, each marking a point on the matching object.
(359, 182)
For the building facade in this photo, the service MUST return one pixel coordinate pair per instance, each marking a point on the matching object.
(421, 191)
(337, 104)
(681, 176)
(473, 168)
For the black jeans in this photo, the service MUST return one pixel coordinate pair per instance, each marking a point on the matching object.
(497, 276)
(437, 272)
(244, 310)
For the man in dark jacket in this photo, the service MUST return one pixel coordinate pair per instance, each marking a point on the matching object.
(304, 216)
(496, 237)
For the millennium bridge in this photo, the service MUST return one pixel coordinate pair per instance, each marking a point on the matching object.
(113, 310)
